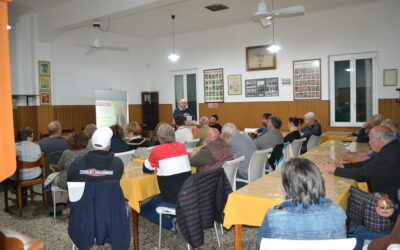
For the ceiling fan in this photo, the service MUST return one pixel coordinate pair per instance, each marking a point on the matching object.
(96, 44)
(264, 16)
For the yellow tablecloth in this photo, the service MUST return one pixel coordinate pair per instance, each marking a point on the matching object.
(248, 205)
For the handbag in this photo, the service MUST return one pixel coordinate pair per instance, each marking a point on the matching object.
(361, 210)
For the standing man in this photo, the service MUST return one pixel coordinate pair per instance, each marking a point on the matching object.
(182, 109)
(54, 145)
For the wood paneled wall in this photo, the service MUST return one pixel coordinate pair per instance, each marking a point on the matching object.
(242, 114)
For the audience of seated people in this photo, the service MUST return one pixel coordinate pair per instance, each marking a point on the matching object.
(54, 145)
(294, 134)
(89, 130)
(311, 127)
(264, 121)
(170, 161)
(306, 214)
(118, 144)
(216, 152)
(155, 139)
(134, 132)
(214, 124)
(202, 132)
(273, 137)
(362, 135)
(182, 133)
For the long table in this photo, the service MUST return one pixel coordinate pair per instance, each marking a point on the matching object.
(248, 205)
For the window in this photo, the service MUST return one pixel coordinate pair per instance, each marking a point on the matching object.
(352, 81)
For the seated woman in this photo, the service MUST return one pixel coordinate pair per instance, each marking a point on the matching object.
(136, 140)
(306, 214)
(117, 143)
(294, 134)
(312, 127)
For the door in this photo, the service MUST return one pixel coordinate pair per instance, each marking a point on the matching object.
(185, 86)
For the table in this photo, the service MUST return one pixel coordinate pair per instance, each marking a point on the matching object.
(337, 136)
(248, 205)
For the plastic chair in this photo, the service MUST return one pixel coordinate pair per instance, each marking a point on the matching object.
(257, 165)
(279, 244)
(192, 143)
(230, 168)
(313, 142)
(250, 130)
(125, 156)
(55, 189)
(295, 147)
(18, 183)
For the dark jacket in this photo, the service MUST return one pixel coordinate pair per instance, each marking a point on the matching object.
(137, 142)
(382, 172)
(100, 214)
(201, 201)
(96, 160)
(276, 154)
(118, 145)
(362, 137)
(217, 126)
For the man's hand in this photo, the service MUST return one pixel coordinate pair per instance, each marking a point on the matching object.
(185, 114)
(345, 156)
(328, 166)
(301, 134)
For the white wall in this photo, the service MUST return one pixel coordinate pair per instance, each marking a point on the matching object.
(355, 29)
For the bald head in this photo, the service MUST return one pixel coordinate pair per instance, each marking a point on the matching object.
(183, 103)
(54, 128)
(204, 121)
(212, 134)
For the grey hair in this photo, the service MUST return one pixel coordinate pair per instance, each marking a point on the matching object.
(385, 136)
(204, 120)
(378, 117)
(276, 121)
(89, 130)
(303, 182)
(392, 125)
(166, 134)
(229, 128)
(54, 127)
(310, 115)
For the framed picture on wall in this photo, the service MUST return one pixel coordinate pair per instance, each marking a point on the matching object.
(234, 84)
(44, 68)
(45, 98)
(214, 85)
(307, 79)
(259, 58)
(262, 87)
(390, 77)
(44, 82)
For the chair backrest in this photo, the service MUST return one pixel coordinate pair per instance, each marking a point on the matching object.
(313, 142)
(257, 164)
(23, 164)
(192, 143)
(295, 147)
(230, 168)
(279, 244)
(250, 130)
(125, 156)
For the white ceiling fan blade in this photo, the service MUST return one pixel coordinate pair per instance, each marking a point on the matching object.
(290, 10)
(115, 48)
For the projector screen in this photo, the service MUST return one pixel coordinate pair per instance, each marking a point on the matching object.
(111, 107)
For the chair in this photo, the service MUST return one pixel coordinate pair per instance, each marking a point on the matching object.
(54, 190)
(230, 168)
(18, 183)
(192, 143)
(295, 147)
(279, 244)
(313, 142)
(257, 165)
(12, 240)
(250, 130)
(125, 156)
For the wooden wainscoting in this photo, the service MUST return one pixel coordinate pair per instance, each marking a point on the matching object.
(389, 108)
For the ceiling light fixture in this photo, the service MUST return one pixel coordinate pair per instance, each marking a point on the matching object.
(273, 48)
(173, 56)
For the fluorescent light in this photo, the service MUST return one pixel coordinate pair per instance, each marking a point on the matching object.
(8, 27)
(173, 57)
(274, 48)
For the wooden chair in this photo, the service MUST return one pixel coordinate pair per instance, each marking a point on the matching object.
(18, 183)
(11, 240)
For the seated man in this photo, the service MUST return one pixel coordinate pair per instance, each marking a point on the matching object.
(273, 137)
(182, 133)
(362, 135)
(214, 154)
(312, 127)
(214, 124)
(171, 161)
(182, 109)
(54, 145)
(202, 132)
(264, 121)
(242, 145)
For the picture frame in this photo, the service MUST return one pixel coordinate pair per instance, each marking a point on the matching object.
(44, 68)
(286, 81)
(390, 77)
(44, 83)
(307, 79)
(259, 58)
(214, 85)
(234, 84)
(264, 87)
(45, 98)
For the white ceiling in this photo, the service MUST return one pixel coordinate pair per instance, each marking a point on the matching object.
(155, 21)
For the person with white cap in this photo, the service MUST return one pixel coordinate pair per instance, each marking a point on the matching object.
(99, 164)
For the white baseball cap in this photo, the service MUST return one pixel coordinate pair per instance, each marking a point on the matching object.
(102, 138)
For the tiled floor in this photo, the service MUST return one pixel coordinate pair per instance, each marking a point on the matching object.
(54, 233)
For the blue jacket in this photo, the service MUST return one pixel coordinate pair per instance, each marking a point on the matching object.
(323, 221)
(101, 215)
